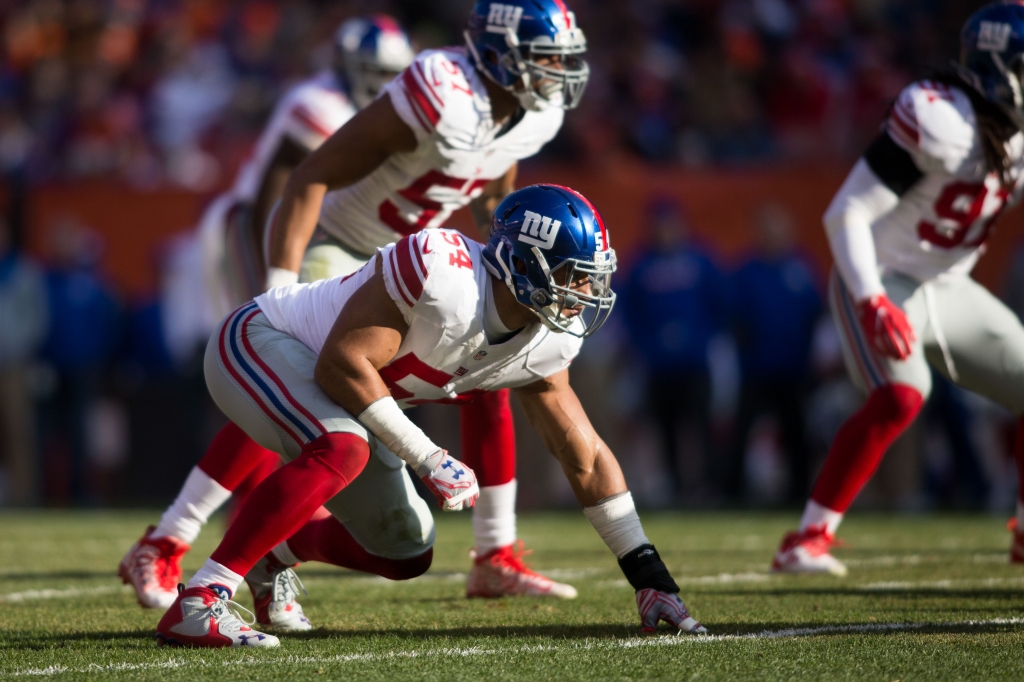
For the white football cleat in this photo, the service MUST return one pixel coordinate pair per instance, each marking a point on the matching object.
(153, 567)
(275, 588)
(502, 572)
(203, 617)
(808, 552)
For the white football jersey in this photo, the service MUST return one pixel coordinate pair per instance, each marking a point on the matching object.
(442, 98)
(308, 114)
(439, 282)
(942, 222)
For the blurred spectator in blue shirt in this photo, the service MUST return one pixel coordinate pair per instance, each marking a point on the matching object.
(672, 302)
(23, 318)
(84, 333)
(775, 305)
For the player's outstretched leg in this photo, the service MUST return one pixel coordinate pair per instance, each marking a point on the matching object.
(489, 448)
(275, 510)
(153, 564)
(853, 459)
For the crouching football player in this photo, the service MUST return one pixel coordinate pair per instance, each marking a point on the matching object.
(433, 317)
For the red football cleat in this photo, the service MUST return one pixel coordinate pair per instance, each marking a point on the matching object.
(153, 567)
(502, 572)
(1017, 548)
(808, 552)
(202, 617)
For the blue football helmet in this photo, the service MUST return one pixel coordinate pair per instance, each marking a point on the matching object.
(369, 52)
(506, 40)
(992, 56)
(550, 247)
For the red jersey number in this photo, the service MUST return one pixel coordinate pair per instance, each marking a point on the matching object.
(410, 365)
(958, 208)
(429, 208)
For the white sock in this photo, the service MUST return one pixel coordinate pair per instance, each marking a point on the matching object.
(1020, 515)
(494, 517)
(284, 554)
(213, 573)
(815, 515)
(198, 499)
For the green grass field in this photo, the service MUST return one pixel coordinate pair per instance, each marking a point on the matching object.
(928, 598)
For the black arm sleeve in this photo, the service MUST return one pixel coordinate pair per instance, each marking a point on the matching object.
(892, 164)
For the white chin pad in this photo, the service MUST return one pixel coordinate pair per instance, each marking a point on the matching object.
(456, 503)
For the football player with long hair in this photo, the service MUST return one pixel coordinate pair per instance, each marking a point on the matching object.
(905, 229)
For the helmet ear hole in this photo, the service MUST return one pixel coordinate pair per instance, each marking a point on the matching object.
(519, 264)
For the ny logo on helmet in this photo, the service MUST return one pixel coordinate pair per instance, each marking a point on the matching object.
(992, 36)
(503, 17)
(539, 230)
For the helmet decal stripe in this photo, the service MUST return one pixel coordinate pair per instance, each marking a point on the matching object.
(419, 99)
(600, 220)
(565, 13)
(386, 23)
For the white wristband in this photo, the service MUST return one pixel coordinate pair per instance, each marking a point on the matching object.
(615, 520)
(385, 419)
(280, 277)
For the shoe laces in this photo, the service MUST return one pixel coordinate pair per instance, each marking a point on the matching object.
(818, 541)
(226, 613)
(286, 586)
(512, 558)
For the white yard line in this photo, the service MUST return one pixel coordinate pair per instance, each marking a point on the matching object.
(71, 593)
(586, 645)
(896, 586)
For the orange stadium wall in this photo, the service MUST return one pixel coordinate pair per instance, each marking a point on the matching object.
(720, 204)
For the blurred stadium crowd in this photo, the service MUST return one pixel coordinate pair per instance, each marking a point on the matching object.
(156, 91)
(726, 376)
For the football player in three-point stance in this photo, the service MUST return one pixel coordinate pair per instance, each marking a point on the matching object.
(309, 371)
(368, 53)
(905, 229)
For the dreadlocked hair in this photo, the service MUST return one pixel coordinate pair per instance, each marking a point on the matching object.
(994, 126)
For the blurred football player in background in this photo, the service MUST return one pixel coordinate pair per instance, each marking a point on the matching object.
(905, 229)
(367, 53)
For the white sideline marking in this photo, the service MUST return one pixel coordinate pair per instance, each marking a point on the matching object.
(611, 645)
(29, 595)
(886, 586)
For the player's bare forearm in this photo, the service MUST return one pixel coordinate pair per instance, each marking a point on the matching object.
(365, 337)
(555, 412)
(482, 208)
(287, 157)
(349, 155)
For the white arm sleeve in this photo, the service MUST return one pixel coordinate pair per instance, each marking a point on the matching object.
(861, 201)
(385, 420)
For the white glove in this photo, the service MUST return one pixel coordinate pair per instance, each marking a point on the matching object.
(655, 606)
(453, 484)
(280, 277)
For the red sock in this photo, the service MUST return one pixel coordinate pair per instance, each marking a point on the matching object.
(265, 467)
(489, 438)
(861, 443)
(233, 456)
(325, 539)
(281, 504)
